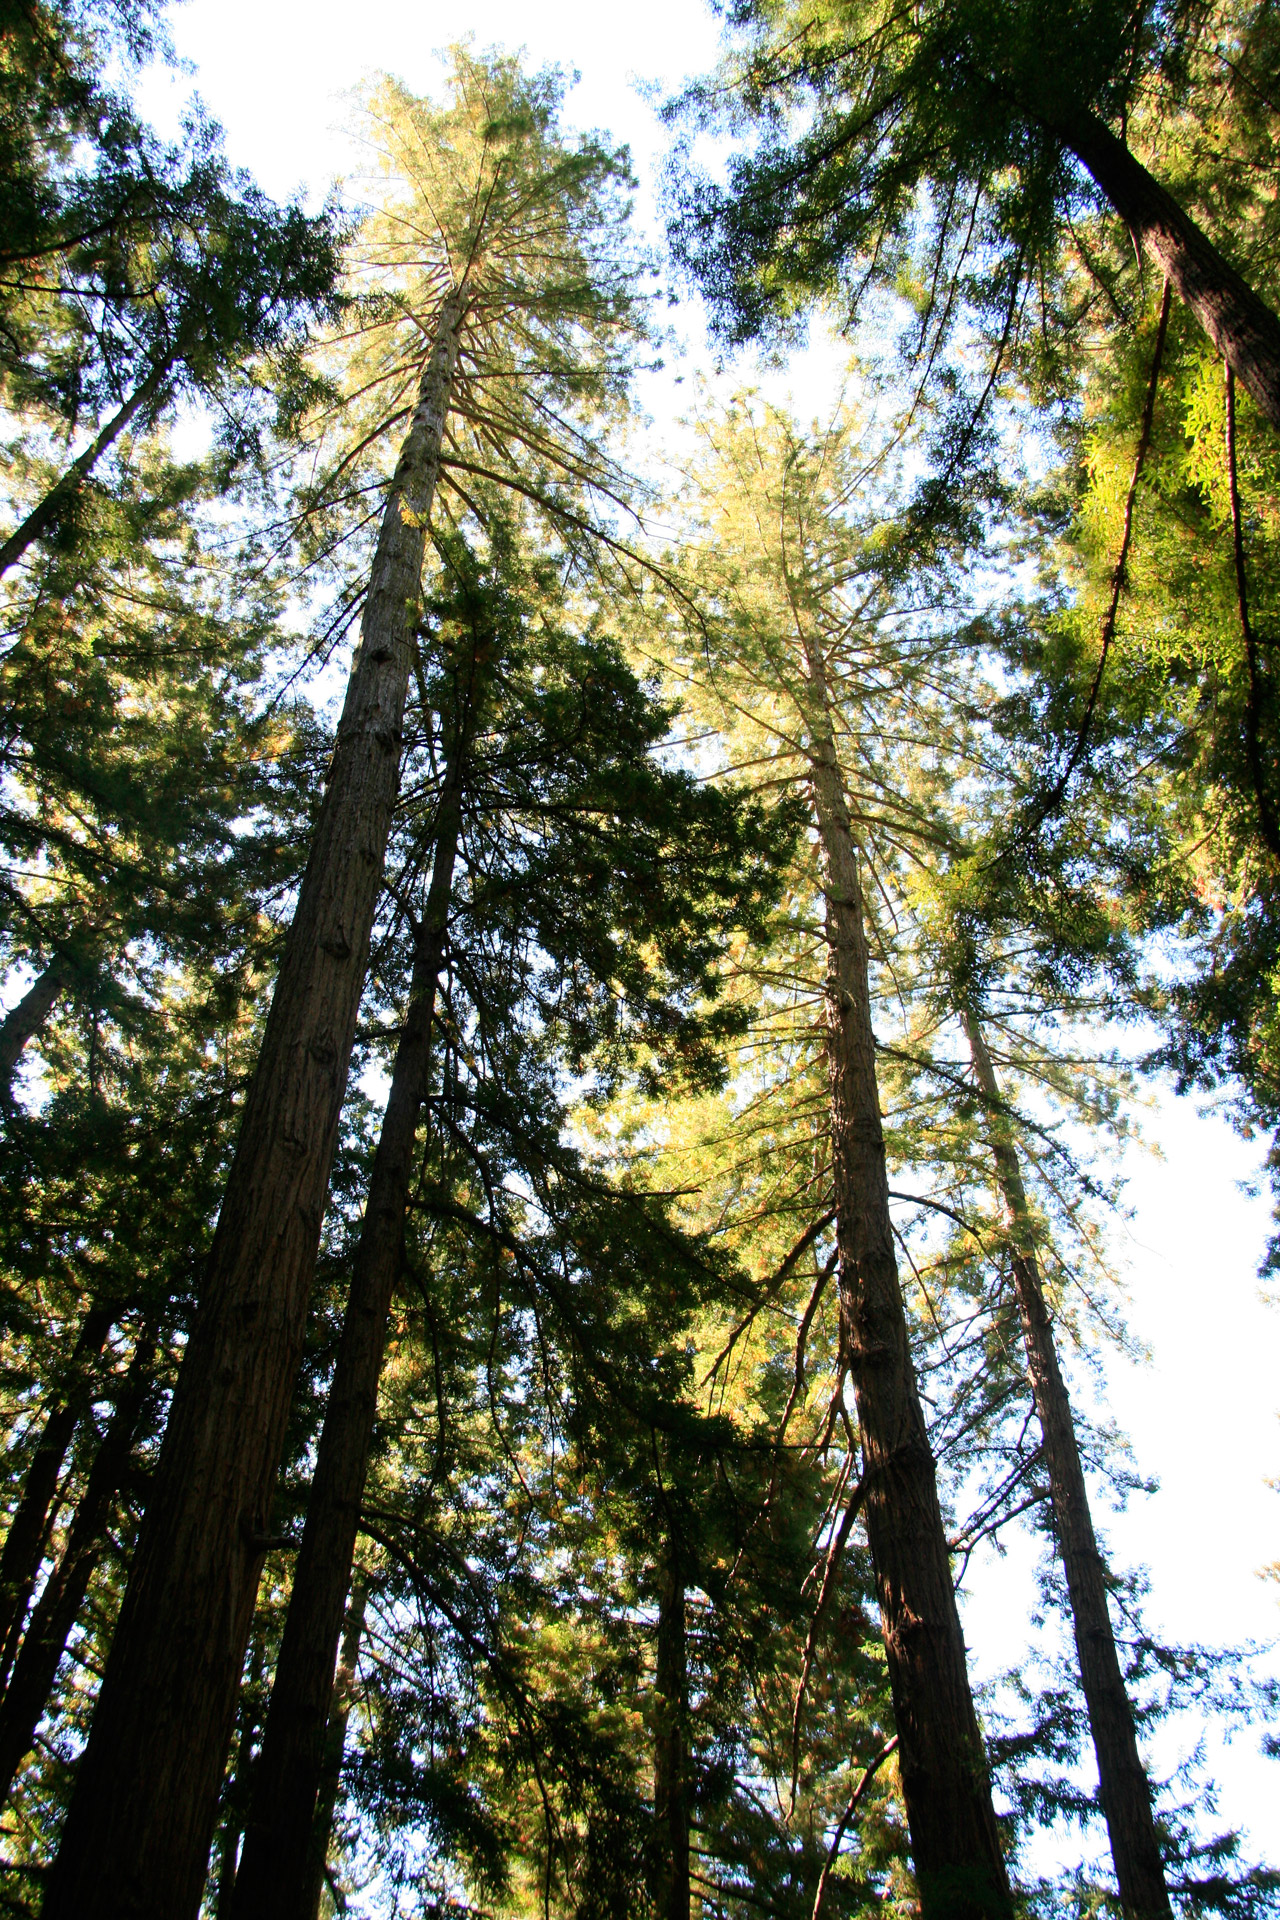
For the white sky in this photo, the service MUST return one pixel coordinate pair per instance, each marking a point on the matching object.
(1202, 1414)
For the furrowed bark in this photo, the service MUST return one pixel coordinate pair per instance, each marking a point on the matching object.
(955, 1842)
(137, 1834)
(335, 1740)
(28, 1535)
(58, 1607)
(1123, 1783)
(1243, 328)
(670, 1747)
(272, 1881)
(46, 512)
(25, 1020)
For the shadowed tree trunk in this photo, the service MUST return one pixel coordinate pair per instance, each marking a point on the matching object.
(24, 1021)
(1125, 1790)
(955, 1843)
(240, 1785)
(671, 1742)
(272, 1881)
(47, 512)
(58, 1607)
(335, 1740)
(25, 1542)
(167, 1704)
(1240, 324)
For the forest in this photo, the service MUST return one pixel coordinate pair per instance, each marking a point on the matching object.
(571, 1020)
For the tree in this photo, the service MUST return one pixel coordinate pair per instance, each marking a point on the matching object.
(516, 274)
(792, 578)
(133, 275)
(561, 761)
(969, 118)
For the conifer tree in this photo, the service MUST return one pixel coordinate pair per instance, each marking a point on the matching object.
(133, 274)
(513, 274)
(788, 571)
(563, 738)
(983, 109)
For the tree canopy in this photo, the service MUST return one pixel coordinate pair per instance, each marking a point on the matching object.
(569, 1029)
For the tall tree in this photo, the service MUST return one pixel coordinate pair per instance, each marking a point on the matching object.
(1125, 1789)
(785, 563)
(982, 109)
(548, 766)
(514, 275)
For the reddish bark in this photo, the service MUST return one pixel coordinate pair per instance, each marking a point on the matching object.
(273, 1882)
(137, 1834)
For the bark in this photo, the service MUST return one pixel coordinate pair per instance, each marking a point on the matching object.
(240, 1786)
(955, 1843)
(272, 1879)
(335, 1741)
(141, 1819)
(671, 1746)
(58, 1607)
(28, 1535)
(1240, 324)
(1123, 1784)
(47, 512)
(25, 1020)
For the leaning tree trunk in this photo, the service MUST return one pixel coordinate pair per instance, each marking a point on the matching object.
(48, 511)
(272, 1880)
(955, 1842)
(138, 1830)
(58, 1607)
(28, 1534)
(24, 1021)
(335, 1740)
(1123, 1784)
(1240, 324)
(671, 1742)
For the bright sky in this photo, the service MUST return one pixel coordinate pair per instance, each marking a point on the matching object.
(1202, 1414)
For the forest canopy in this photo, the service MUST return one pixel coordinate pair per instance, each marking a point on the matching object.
(576, 986)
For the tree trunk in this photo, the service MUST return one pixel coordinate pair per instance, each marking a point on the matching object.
(58, 1607)
(137, 1833)
(46, 512)
(955, 1843)
(1125, 1791)
(1241, 326)
(25, 1020)
(240, 1785)
(671, 1743)
(271, 1883)
(335, 1740)
(25, 1542)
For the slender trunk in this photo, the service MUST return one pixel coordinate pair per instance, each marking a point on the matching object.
(25, 1020)
(28, 1535)
(671, 1743)
(335, 1740)
(137, 1833)
(272, 1878)
(46, 512)
(1241, 326)
(955, 1843)
(240, 1785)
(1125, 1790)
(58, 1607)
